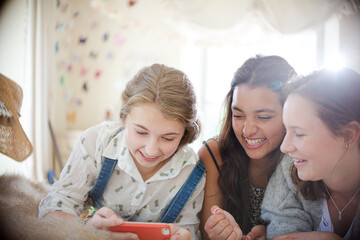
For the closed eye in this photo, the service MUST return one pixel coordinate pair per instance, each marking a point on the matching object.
(238, 116)
(298, 134)
(141, 133)
(264, 118)
(168, 139)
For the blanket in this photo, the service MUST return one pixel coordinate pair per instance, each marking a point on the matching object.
(19, 201)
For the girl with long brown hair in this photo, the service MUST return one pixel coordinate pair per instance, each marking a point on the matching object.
(242, 158)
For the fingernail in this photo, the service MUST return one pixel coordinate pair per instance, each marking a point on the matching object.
(216, 210)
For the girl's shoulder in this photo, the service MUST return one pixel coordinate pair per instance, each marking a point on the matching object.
(210, 145)
(186, 152)
(210, 155)
(184, 158)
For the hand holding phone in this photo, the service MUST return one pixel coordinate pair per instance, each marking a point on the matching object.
(145, 231)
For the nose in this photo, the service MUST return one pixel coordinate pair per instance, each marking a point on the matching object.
(151, 147)
(286, 145)
(249, 128)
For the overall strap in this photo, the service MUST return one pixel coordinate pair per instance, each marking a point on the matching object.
(102, 180)
(176, 205)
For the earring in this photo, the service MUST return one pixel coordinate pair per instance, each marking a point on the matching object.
(347, 146)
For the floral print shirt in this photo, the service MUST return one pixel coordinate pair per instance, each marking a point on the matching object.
(256, 198)
(126, 193)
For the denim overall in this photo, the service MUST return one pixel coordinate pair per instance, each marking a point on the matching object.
(172, 210)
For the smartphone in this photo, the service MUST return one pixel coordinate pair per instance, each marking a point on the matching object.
(145, 231)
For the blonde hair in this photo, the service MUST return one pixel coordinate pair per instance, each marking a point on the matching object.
(168, 88)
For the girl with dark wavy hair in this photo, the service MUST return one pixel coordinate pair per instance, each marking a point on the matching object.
(242, 158)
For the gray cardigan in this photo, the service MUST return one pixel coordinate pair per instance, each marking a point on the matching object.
(285, 213)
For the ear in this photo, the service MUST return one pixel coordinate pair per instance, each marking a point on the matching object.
(352, 133)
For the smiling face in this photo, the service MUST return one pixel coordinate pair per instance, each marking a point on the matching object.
(316, 151)
(257, 120)
(151, 137)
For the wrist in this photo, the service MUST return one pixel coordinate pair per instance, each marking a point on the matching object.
(83, 218)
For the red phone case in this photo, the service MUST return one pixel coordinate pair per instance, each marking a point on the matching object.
(145, 231)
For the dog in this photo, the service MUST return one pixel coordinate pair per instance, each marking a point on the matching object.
(19, 201)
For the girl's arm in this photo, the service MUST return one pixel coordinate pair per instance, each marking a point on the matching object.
(213, 194)
(69, 193)
(102, 219)
(77, 178)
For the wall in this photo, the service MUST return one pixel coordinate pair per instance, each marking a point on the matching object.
(95, 56)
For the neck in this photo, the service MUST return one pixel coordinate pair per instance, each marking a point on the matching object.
(345, 177)
(345, 194)
(259, 170)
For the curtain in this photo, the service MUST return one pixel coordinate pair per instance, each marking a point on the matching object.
(285, 16)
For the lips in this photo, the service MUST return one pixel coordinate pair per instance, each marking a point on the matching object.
(148, 158)
(254, 142)
(298, 162)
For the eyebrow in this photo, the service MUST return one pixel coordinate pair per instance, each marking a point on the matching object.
(144, 128)
(257, 111)
(296, 127)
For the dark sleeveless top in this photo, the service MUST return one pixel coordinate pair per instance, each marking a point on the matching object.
(256, 194)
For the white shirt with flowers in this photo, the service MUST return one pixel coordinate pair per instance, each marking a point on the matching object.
(126, 193)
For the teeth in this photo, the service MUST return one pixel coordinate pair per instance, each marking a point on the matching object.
(147, 156)
(255, 141)
(297, 160)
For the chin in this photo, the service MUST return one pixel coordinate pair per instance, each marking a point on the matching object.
(257, 153)
(304, 177)
(256, 156)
